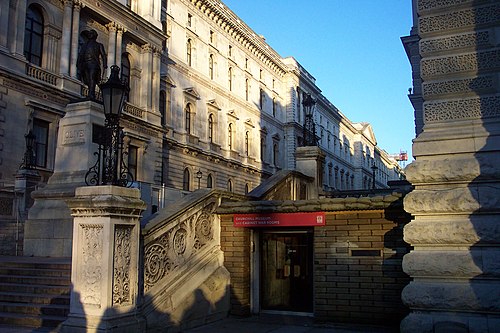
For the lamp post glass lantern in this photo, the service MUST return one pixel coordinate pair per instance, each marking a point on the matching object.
(112, 170)
(309, 125)
(29, 155)
(199, 174)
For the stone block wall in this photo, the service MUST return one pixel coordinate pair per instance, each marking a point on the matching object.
(357, 267)
(235, 242)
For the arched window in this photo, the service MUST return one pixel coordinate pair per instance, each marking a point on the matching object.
(186, 180)
(211, 66)
(230, 136)
(247, 188)
(33, 36)
(189, 49)
(230, 185)
(163, 107)
(187, 118)
(211, 128)
(275, 107)
(230, 78)
(125, 73)
(209, 181)
(247, 143)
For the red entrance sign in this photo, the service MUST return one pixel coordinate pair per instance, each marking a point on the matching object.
(279, 220)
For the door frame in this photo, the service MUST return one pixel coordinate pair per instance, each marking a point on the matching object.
(255, 269)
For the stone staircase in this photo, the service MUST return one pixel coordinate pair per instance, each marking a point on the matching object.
(34, 291)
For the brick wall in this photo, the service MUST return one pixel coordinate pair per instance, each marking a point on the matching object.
(358, 274)
(235, 242)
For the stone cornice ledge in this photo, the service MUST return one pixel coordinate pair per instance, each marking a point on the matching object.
(326, 204)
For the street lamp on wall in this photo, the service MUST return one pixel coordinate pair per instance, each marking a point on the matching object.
(29, 155)
(309, 129)
(112, 170)
(199, 174)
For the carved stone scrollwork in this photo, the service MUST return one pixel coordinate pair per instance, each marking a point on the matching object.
(477, 84)
(156, 264)
(203, 230)
(91, 274)
(121, 266)
(433, 4)
(180, 239)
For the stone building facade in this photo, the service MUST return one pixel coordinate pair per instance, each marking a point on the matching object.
(454, 52)
(211, 104)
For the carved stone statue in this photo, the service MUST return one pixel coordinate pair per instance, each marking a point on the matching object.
(89, 64)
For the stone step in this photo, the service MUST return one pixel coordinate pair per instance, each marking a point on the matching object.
(17, 319)
(17, 297)
(24, 263)
(35, 280)
(33, 271)
(35, 289)
(60, 310)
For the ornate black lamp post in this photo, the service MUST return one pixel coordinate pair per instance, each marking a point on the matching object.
(374, 168)
(309, 134)
(112, 170)
(199, 174)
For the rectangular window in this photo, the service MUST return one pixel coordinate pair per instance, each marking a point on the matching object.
(41, 132)
(132, 161)
(190, 20)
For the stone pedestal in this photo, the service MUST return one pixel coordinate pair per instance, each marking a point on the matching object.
(26, 181)
(310, 162)
(105, 269)
(48, 230)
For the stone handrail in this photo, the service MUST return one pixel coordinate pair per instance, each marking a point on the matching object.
(182, 255)
(41, 74)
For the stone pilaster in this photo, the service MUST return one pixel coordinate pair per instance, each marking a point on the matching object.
(310, 162)
(105, 264)
(456, 201)
(66, 38)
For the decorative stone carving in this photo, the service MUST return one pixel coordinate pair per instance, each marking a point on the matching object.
(172, 248)
(478, 84)
(91, 274)
(204, 230)
(472, 108)
(459, 19)
(434, 4)
(121, 266)
(471, 40)
(471, 62)
(180, 241)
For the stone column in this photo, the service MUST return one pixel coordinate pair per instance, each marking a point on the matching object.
(118, 53)
(17, 19)
(456, 201)
(4, 22)
(111, 46)
(78, 5)
(105, 262)
(310, 162)
(66, 38)
(147, 70)
(155, 88)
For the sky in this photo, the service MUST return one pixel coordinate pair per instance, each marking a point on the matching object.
(353, 49)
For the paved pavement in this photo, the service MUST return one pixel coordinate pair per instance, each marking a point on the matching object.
(255, 324)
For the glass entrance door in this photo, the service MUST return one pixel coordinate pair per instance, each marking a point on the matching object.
(286, 271)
